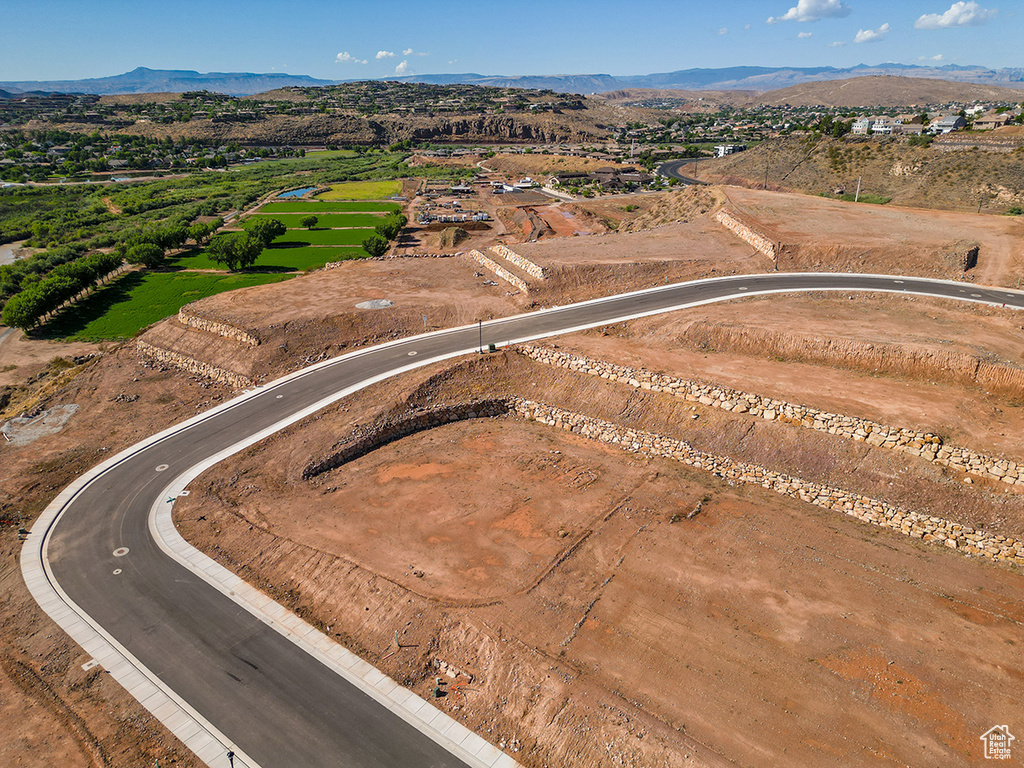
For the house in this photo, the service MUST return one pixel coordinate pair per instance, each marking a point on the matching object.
(564, 177)
(991, 121)
(727, 149)
(887, 126)
(947, 124)
(862, 127)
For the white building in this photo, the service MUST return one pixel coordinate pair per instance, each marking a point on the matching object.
(947, 124)
(728, 149)
(887, 126)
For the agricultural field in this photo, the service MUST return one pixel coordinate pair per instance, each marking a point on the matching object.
(326, 220)
(318, 207)
(276, 259)
(362, 190)
(139, 299)
(325, 236)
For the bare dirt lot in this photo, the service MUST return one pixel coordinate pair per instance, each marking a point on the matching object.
(763, 631)
(583, 606)
(901, 234)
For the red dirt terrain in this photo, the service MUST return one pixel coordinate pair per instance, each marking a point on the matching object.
(600, 625)
(570, 582)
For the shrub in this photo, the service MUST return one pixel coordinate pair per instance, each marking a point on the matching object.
(375, 245)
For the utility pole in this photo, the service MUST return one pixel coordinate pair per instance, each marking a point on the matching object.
(856, 197)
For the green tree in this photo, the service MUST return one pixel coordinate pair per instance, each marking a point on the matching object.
(308, 221)
(375, 245)
(391, 226)
(235, 251)
(200, 232)
(266, 230)
(147, 254)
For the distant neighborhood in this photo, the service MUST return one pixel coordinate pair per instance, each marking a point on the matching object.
(53, 137)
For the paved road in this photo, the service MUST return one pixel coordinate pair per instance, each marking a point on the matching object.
(673, 169)
(276, 702)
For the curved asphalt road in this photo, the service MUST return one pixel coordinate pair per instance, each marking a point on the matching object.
(276, 702)
(673, 170)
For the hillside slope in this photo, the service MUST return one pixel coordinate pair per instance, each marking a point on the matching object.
(915, 176)
(885, 91)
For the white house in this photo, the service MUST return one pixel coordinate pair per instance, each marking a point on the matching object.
(887, 126)
(947, 124)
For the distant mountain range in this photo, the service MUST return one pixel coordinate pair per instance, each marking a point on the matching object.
(761, 79)
(143, 80)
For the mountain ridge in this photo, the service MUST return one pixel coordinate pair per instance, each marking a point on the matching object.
(746, 78)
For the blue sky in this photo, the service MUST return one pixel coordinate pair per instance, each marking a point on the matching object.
(342, 39)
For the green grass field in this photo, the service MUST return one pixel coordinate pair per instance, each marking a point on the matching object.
(290, 259)
(362, 190)
(139, 299)
(318, 207)
(324, 220)
(325, 236)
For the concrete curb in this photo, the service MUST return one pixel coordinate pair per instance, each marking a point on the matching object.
(432, 722)
(178, 716)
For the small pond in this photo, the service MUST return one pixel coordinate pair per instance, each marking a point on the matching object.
(297, 192)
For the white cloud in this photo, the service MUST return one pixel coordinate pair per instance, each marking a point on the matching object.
(386, 55)
(959, 15)
(804, 35)
(722, 31)
(347, 58)
(403, 68)
(411, 52)
(871, 35)
(453, 61)
(812, 10)
(936, 57)
(746, 26)
(837, 44)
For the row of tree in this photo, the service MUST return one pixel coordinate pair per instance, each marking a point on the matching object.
(27, 308)
(149, 246)
(378, 243)
(239, 250)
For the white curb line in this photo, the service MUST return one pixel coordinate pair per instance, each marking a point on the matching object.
(194, 731)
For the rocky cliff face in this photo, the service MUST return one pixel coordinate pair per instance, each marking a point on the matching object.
(320, 130)
(493, 128)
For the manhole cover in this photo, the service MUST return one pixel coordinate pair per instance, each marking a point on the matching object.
(375, 304)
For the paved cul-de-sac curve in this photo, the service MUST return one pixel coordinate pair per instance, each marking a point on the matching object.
(227, 669)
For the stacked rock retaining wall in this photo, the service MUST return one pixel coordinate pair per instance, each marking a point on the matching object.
(529, 267)
(923, 444)
(924, 527)
(745, 233)
(364, 440)
(193, 366)
(504, 274)
(214, 326)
